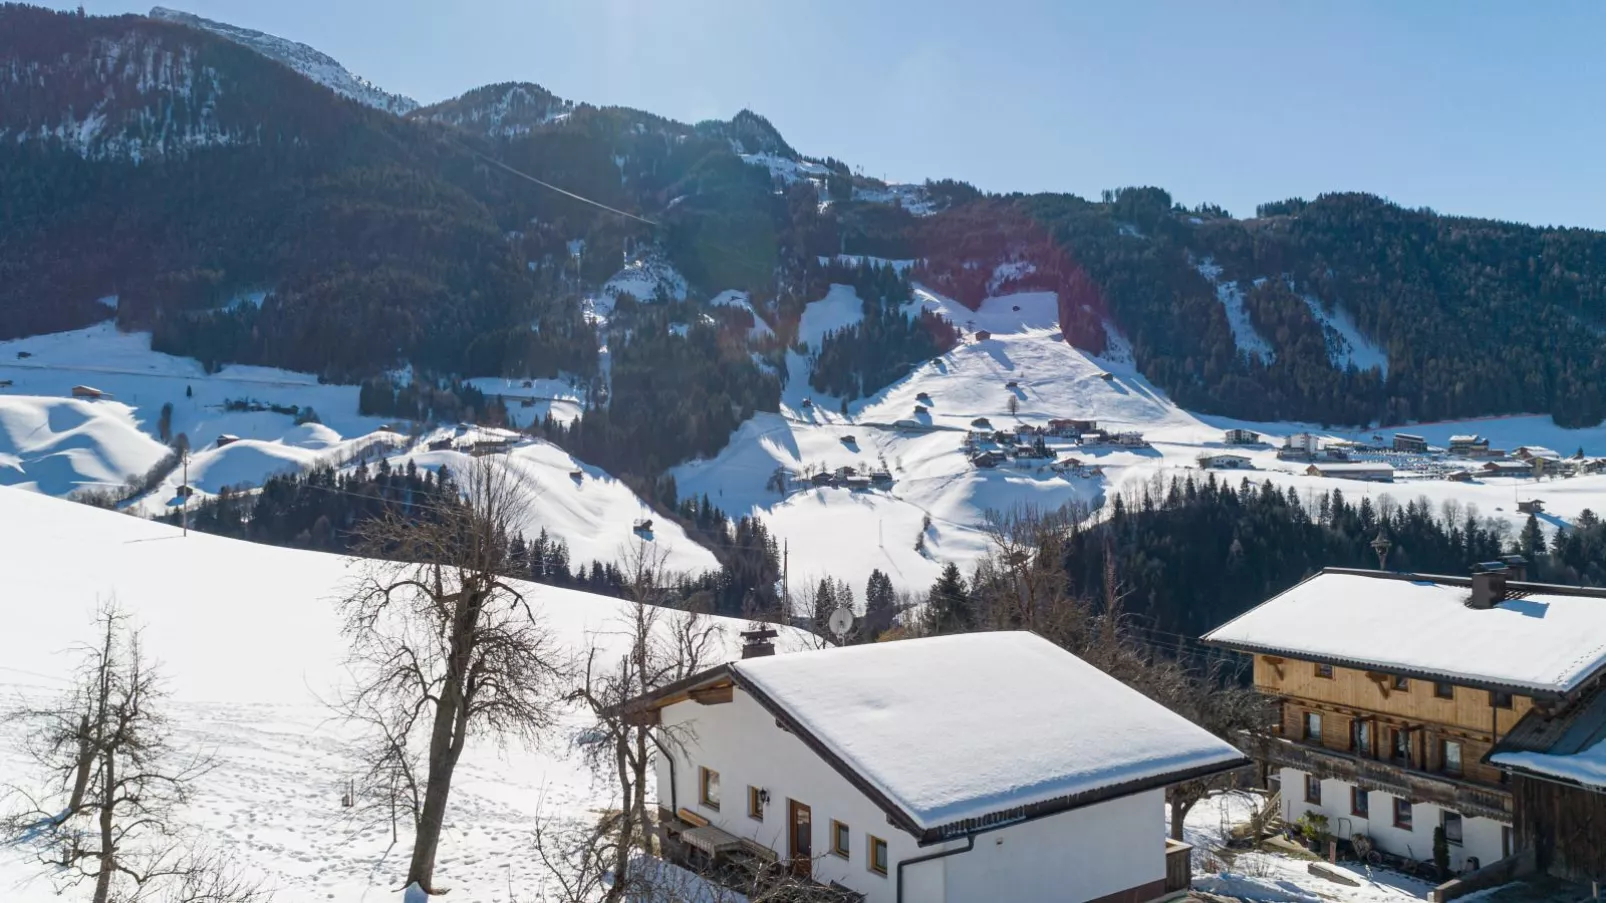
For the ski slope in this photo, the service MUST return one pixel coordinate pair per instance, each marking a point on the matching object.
(248, 638)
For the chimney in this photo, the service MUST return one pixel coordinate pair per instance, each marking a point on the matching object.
(758, 643)
(1516, 566)
(1488, 585)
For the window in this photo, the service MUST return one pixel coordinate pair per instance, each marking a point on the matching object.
(839, 838)
(1402, 746)
(755, 803)
(1452, 827)
(1358, 802)
(1313, 726)
(1505, 841)
(1402, 813)
(877, 860)
(1313, 789)
(1402, 683)
(1450, 756)
(708, 787)
(1499, 699)
(1443, 690)
(1360, 737)
(1324, 671)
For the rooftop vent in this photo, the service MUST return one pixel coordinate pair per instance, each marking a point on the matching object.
(1488, 585)
(758, 643)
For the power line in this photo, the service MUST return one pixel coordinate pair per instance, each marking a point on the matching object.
(563, 191)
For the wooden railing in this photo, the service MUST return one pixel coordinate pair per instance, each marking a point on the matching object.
(1390, 777)
(1178, 866)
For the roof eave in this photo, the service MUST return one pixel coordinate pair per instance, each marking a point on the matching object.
(1533, 690)
(1017, 814)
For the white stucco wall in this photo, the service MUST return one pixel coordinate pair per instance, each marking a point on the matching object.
(1078, 855)
(1482, 837)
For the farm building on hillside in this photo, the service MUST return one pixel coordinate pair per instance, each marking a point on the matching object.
(1014, 771)
(988, 459)
(1300, 447)
(227, 439)
(1470, 445)
(1530, 452)
(1242, 437)
(983, 335)
(1369, 472)
(1225, 461)
(89, 392)
(1459, 476)
(1130, 440)
(1402, 696)
(1406, 442)
(1531, 506)
(1508, 469)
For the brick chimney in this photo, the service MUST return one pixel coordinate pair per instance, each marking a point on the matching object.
(1488, 585)
(758, 643)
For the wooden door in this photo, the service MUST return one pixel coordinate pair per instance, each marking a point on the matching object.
(800, 821)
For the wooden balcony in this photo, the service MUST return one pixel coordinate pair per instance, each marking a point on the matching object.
(1400, 780)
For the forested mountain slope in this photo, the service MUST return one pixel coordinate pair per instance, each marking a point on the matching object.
(244, 213)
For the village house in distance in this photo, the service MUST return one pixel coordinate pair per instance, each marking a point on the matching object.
(984, 766)
(1399, 692)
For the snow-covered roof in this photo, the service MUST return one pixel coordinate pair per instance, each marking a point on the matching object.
(1546, 640)
(975, 725)
(1587, 768)
(1353, 467)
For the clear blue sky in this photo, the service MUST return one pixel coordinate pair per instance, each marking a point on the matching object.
(1487, 109)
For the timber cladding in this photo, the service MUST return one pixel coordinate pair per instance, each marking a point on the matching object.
(1374, 691)
(1565, 826)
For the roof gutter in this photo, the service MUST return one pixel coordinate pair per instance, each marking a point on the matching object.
(970, 844)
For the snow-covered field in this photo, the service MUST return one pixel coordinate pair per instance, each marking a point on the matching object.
(248, 639)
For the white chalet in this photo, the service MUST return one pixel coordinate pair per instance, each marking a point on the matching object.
(984, 766)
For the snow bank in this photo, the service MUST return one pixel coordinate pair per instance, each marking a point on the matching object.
(1244, 335)
(1346, 345)
(60, 445)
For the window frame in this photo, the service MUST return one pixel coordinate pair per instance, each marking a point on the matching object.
(1306, 723)
(1443, 690)
(703, 799)
(1359, 795)
(871, 844)
(1325, 672)
(1400, 747)
(1445, 745)
(1312, 782)
(1409, 810)
(1500, 699)
(841, 839)
(1402, 683)
(1460, 827)
(755, 803)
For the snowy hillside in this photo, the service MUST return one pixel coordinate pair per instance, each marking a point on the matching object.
(56, 445)
(248, 639)
(310, 62)
(914, 430)
(500, 111)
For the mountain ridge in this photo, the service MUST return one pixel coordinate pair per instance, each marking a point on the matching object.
(309, 61)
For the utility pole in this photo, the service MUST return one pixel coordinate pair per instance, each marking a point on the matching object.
(184, 492)
(786, 582)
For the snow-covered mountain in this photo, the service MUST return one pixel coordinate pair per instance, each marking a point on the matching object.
(309, 61)
(500, 111)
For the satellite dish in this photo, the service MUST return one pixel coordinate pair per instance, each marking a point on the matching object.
(840, 622)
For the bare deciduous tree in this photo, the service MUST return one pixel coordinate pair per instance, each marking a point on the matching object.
(443, 648)
(661, 647)
(1022, 584)
(113, 783)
